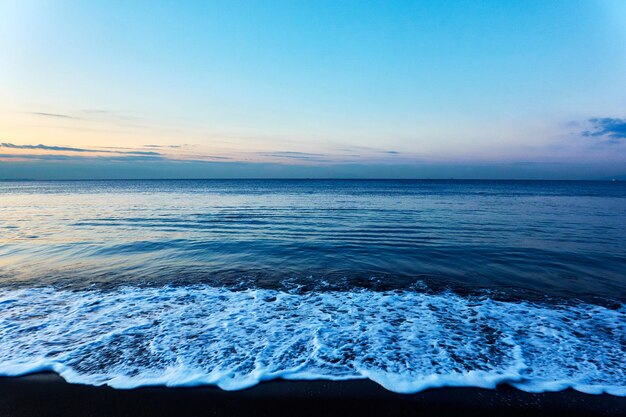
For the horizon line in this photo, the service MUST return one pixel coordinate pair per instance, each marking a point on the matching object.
(309, 179)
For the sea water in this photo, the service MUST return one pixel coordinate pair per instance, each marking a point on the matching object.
(412, 284)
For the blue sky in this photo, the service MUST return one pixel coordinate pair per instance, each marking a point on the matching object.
(145, 89)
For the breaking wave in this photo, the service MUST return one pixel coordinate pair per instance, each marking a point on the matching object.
(406, 341)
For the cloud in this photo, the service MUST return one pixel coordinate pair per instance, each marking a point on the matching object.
(68, 149)
(139, 153)
(79, 158)
(612, 128)
(57, 115)
(214, 157)
(87, 113)
(295, 155)
(113, 154)
(163, 146)
(45, 147)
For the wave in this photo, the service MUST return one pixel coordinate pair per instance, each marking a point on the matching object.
(406, 341)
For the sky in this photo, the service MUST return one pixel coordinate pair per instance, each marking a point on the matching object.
(312, 89)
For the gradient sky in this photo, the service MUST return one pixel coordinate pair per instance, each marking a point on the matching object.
(412, 89)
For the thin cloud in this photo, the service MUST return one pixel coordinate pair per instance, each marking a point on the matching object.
(216, 157)
(78, 158)
(163, 146)
(295, 155)
(69, 149)
(57, 115)
(612, 128)
(139, 153)
(45, 148)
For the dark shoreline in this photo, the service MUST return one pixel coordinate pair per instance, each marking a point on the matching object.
(47, 394)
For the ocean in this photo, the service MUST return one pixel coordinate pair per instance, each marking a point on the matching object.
(412, 284)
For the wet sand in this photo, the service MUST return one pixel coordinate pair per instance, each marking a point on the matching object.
(47, 394)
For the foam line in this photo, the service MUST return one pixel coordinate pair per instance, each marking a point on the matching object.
(404, 340)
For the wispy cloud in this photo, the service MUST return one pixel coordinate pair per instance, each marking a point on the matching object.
(86, 114)
(140, 153)
(212, 157)
(163, 146)
(295, 155)
(70, 149)
(62, 157)
(97, 120)
(614, 129)
(56, 115)
(44, 147)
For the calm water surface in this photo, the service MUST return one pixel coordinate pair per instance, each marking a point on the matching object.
(559, 238)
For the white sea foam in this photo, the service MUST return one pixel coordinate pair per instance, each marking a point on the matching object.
(406, 341)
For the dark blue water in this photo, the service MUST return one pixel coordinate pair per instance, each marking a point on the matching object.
(412, 284)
